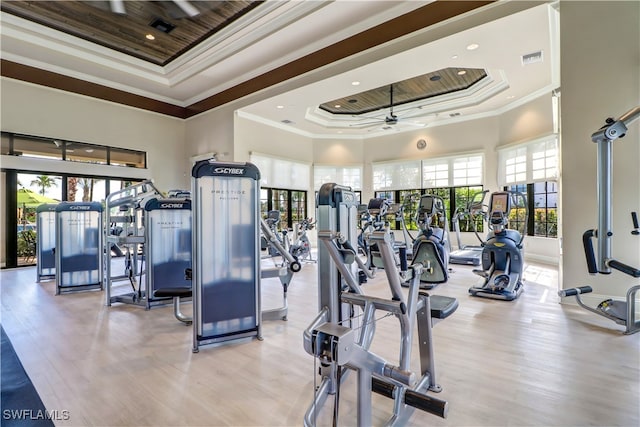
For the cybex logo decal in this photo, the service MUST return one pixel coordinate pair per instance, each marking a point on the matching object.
(171, 205)
(229, 171)
(79, 208)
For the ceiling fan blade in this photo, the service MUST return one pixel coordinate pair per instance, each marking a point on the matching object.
(187, 8)
(117, 6)
(366, 124)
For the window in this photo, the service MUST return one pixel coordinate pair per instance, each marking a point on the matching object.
(85, 189)
(6, 144)
(545, 209)
(464, 196)
(542, 204)
(41, 148)
(292, 205)
(387, 195)
(282, 173)
(454, 178)
(533, 161)
(57, 149)
(410, 200)
(467, 170)
(518, 215)
(516, 165)
(85, 153)
(532, 168)
(435, 175)
(445, 194)
(428, 173)
(403, 175)
(350, 176)
(298, 206)
(128, 158)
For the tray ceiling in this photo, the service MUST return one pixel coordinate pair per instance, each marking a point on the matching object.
(175, 26)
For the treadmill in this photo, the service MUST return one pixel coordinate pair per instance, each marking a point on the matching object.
(469, 254)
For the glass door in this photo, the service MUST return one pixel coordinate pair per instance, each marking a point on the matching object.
(32, 190)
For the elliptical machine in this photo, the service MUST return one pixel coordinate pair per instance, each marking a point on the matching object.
(502, 262)
(431, 246)
(378, 210)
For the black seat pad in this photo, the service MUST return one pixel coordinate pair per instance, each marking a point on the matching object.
(182, 292)
(442, 306)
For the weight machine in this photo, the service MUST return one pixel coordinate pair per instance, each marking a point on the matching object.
(78, 246)
(621, 312)
(46, 241)
(125, 228)
(339, 338)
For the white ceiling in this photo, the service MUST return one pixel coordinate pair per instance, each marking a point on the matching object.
(284, 31)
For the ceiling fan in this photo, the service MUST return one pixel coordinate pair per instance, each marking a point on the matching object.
(389, 120)
(117, 6)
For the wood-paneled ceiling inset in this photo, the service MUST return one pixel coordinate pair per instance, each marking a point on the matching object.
(96, 22)
(436, 83)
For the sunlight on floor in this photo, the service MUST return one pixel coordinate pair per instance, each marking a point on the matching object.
(545, 275)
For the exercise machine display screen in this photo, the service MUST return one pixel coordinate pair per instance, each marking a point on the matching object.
(500, 202)
(426, 204)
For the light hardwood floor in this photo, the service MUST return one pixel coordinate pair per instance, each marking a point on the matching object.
(531, 362)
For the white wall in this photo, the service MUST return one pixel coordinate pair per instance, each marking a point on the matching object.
(251, 136)
(600, 77)
(212, 131)
(528, 121)
(37, 110)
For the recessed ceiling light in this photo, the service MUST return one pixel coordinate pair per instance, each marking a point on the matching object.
(473, 46)
(337, 105)
(355, 83)
(435, 78)
(280, 107)
(150, 37)
(352, 101)
(89, 150)
(454, 57)
(462, 72)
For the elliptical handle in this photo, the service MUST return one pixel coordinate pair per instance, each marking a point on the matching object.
(636, 226)
(587, 243)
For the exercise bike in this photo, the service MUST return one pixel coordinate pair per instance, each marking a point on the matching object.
(431, 246)
(621, 312)
(502, 262)
(268, 243)
(301, 249)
